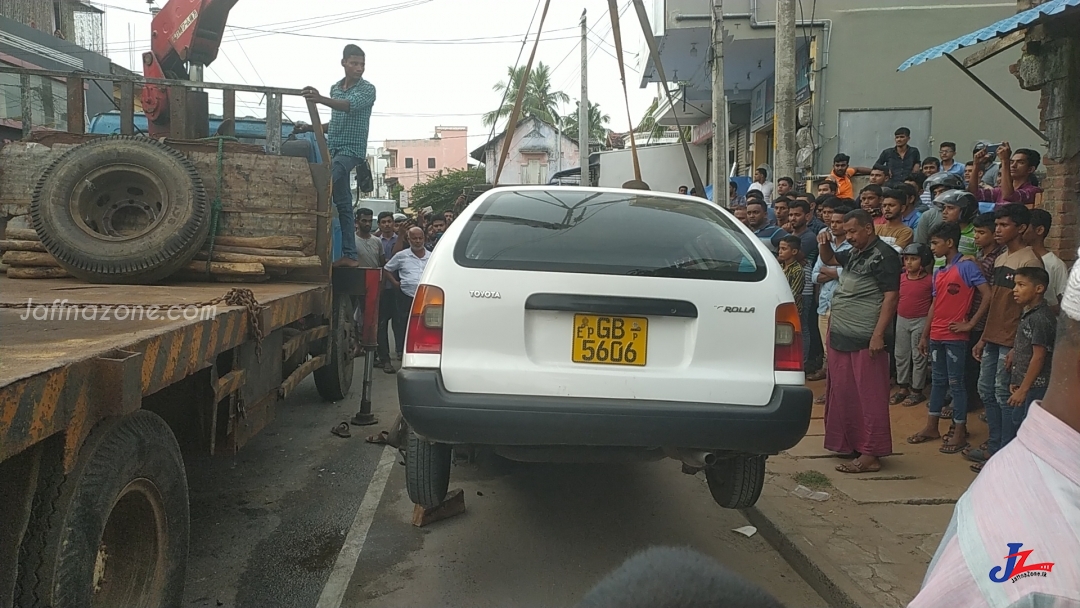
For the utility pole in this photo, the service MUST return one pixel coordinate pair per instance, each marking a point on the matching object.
(719, 110)
(784, 106)
(583, 108)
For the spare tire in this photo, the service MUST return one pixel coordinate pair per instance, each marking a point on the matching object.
(121, 209)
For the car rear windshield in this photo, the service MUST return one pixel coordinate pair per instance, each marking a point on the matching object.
(607, 233)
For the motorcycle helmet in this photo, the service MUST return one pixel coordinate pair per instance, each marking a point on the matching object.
(966, 201)
(926, 257)
(944, 179)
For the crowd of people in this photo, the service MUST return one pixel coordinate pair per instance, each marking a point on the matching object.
(933, 279)
(400, 246)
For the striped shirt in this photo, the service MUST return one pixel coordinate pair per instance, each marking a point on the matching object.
(1025, 501)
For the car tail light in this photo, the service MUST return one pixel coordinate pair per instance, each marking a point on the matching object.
(788, 355)
(424, 335)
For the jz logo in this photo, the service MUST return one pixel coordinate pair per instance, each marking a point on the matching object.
(1016, 566)
(492, 295)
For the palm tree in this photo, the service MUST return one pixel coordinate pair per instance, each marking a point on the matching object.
(597, 120)
(540, 100)
(651, 128)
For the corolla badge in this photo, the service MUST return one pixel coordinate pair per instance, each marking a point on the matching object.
(491, 295)
(736, 309)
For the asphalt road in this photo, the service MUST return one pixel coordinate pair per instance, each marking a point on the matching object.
(269, 523)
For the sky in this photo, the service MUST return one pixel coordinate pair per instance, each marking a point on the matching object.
(420, 85)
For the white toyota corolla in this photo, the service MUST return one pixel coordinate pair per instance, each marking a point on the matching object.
(590, 324)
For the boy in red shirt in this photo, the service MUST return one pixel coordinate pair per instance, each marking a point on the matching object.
(946, 335)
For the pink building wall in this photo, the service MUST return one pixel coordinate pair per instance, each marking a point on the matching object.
(448, 149)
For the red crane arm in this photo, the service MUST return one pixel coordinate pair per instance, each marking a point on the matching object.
(183, 32)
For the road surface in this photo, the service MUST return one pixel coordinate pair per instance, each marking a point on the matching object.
(269, 524)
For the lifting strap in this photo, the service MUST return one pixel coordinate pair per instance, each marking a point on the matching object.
(613, 10)
(522, 86)
(646, 30)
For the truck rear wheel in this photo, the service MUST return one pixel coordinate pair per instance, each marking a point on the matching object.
(736, 482)
(114, 532)
(427, 471)
(121, 209)
(334, 379)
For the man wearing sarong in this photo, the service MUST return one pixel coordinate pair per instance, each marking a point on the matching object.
(857, 387)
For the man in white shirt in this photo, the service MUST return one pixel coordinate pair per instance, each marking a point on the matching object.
(409, 264)
(762, 183)
(1035, 238)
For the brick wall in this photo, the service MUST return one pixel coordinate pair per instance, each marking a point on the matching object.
(1050, 63)
(1061, 197)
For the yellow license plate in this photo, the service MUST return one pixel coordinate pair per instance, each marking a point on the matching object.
(610, 340)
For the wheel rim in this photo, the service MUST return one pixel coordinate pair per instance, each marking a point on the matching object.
(119, 202)
(129, 569)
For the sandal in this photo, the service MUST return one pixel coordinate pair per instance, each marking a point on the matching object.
(819, 400)
(918, 438)
(342, 430)
(857, 467)
(914, 399)
(977, 467)
(946, 411)
(382, 438)
(977, 455)
(815, 376)
(898, 397)
(953, 449)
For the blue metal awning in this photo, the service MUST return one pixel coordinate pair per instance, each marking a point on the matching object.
(1001, 28)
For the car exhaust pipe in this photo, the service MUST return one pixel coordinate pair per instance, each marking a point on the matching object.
(694, 458)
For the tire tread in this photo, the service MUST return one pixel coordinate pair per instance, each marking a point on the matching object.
(427, 471)
(736, 483)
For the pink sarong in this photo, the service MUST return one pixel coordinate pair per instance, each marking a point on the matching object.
(857, 403)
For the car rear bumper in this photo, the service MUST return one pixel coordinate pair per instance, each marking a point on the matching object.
(515, 420)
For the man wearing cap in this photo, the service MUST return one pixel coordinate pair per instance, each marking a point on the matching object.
(1014, 538)
(350, 102)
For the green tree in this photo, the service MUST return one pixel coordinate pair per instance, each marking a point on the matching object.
(651, 128)
(597, 123)
(540, 100)
(442, 190)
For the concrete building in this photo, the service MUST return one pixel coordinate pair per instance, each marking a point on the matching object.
(48, 35)
(413, 161)
(850, 95)
(537, 150)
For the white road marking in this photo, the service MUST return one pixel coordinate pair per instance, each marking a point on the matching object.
(334, 591)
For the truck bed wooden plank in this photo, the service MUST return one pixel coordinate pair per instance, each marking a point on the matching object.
(31, 346)
(46, 366)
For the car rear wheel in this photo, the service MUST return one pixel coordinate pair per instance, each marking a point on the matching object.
(735, 483)
(427, 471)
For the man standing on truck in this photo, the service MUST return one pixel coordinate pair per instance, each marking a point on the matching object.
(350, 101)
